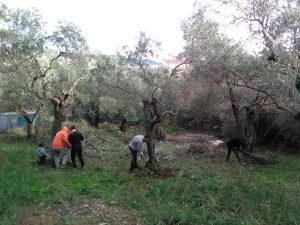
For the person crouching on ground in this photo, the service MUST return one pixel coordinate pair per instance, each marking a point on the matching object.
(75, 138)
(135, 147)
(60, 146)
(42, 155)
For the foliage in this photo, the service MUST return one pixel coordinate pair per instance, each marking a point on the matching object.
(14, 134)
(204, 190)
(40, 68)
(253, 83)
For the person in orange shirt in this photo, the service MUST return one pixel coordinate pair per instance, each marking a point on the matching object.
(60, 146)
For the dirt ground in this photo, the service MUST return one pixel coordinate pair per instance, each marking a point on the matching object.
(197, 143)
(82, 212)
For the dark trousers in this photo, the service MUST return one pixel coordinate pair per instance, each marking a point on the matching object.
(236, 154)
(134, 159)
(42, 160)
(77, 151)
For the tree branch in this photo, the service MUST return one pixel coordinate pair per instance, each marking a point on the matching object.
(187, 61)
(262, 91)
(43, 74)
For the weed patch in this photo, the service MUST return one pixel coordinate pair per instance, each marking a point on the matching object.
(201, 190)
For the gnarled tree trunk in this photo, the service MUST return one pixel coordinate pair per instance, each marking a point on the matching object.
(250, 129)
(30, 121)
(58, 119)
(93, 115)
(236, 112)
(151, 119)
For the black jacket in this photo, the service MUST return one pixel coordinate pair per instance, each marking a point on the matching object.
(75, 139)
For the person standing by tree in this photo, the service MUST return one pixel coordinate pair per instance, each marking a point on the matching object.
(135, 147)
(75, 138)
(60, 146)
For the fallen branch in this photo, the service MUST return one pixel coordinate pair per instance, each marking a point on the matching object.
(257, 160)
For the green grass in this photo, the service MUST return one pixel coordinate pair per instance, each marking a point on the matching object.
(171, 128)
(203, 191)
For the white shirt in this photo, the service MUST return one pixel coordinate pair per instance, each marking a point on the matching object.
(136, 143)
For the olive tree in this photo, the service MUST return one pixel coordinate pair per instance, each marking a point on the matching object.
(252, 83)
(147, 85)
(43, 68)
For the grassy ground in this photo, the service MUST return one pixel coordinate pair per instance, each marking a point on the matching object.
(202, 191)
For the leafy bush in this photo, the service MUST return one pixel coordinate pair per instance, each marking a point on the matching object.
(43, 132)
(15, 134)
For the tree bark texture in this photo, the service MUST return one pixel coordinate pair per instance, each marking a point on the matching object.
(30, 121)
(58, 111)
(250, 129)
(236, 112)
(151, 119)
(93, 115)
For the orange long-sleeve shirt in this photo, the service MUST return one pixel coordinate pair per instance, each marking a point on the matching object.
(61, 138)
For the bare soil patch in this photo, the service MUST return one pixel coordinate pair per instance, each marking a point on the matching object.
(197, 143)
(80, 212)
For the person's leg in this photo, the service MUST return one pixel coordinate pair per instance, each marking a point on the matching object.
(73, 154)
(237, 155)
(39, 161)
(228, 154)
(52, 158)
(63, 157)
(56, 154)
(43, 160)
(79, 153)
(134, 159)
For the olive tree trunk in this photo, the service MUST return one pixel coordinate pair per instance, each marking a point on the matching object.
(151, 119)
(30, 121)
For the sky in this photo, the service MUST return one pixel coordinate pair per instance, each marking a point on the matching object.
(108, 25)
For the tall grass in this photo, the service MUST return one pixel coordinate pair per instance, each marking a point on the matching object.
(202, 190)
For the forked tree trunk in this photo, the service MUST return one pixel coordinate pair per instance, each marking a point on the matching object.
(30, 122)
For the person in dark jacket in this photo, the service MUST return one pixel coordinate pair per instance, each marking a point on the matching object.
(75, 139)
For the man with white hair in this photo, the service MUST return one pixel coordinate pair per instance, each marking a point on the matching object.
(135, 147)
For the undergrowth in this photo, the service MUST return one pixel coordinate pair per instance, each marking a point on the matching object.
(202, 190)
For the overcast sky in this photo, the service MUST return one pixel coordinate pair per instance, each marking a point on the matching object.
(110, 24)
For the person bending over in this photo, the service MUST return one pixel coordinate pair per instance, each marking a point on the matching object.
(60, 146)
(135, 147)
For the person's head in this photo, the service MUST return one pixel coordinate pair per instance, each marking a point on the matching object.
(65, 128)
(146, 138)
(41, 145)
(73, 128)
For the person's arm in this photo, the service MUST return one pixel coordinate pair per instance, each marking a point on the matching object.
(65, 139)
(81, 137)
